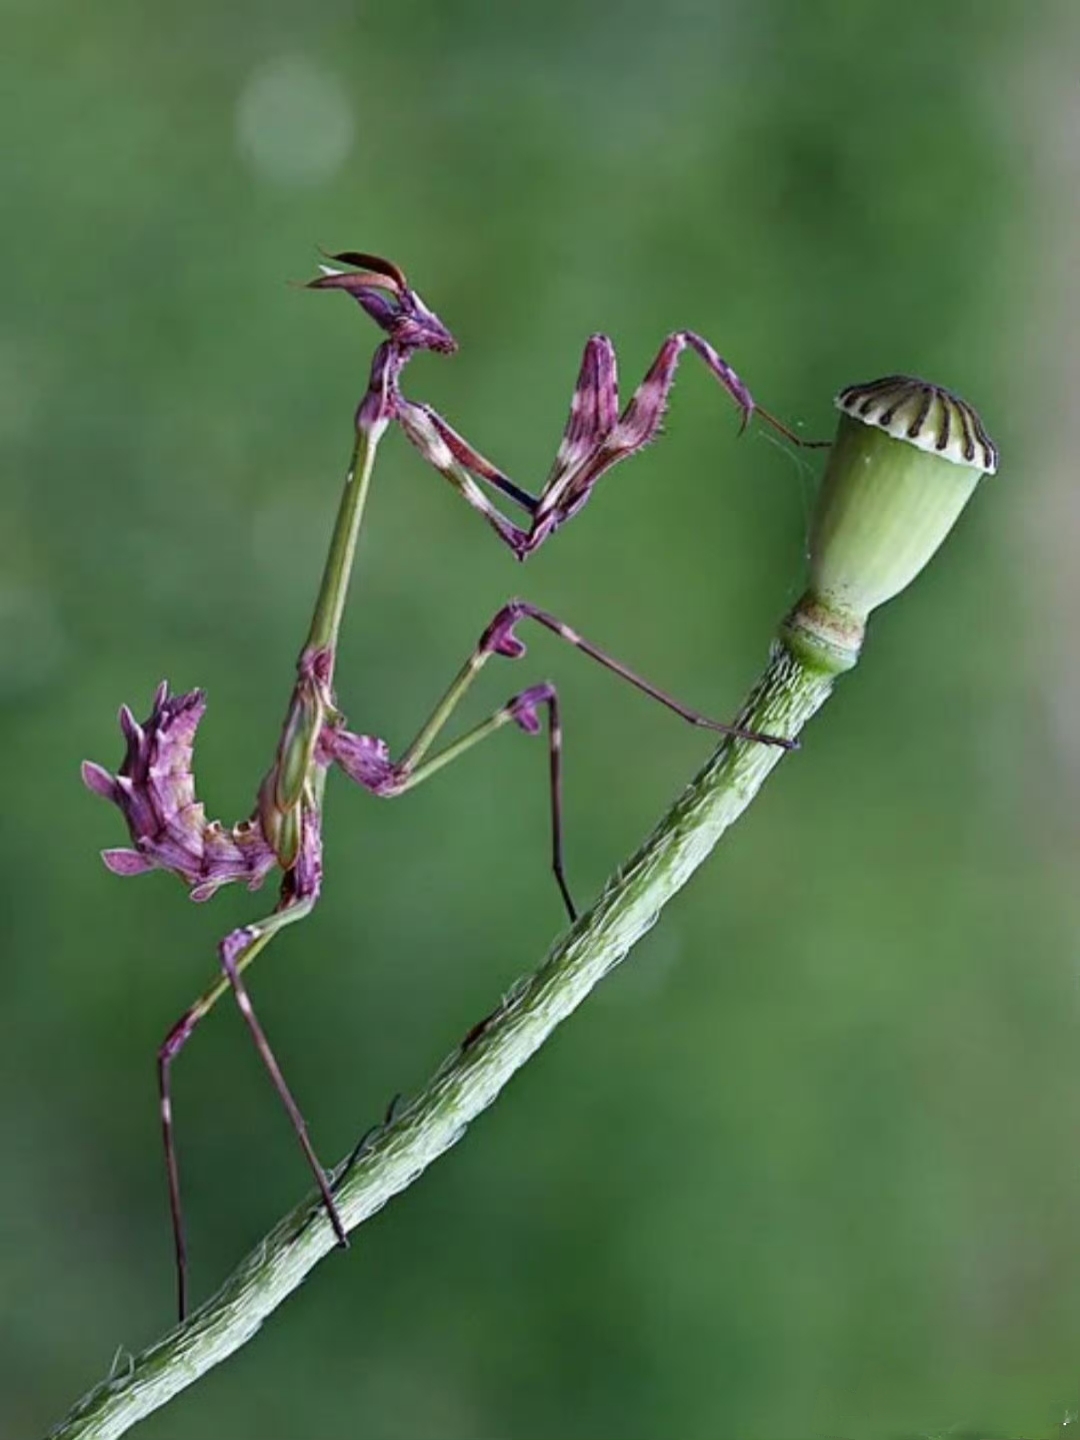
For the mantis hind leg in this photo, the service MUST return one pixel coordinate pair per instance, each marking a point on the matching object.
(236, 951)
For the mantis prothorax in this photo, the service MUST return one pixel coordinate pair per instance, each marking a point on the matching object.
(155, 786)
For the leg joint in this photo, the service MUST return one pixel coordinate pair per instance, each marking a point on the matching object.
(499, 637)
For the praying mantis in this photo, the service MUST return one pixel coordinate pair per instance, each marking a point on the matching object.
(154, 787)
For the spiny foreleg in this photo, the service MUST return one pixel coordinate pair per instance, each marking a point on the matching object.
(595, 439)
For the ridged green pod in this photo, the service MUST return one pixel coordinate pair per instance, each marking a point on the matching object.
(906, 459)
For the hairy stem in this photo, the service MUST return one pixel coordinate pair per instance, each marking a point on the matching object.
(814, 646)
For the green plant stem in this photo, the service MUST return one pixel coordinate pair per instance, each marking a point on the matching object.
(814, 646)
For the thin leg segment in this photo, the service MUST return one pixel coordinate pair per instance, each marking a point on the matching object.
(428, 432)
(596, 437)
(465, 455)
(237, 951)
(499, 638)
(170, 1048)
(366, 759)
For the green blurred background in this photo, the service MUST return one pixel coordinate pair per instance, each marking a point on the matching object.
(807, 1165)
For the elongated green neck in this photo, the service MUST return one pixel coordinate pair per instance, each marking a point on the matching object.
(822, 636)
(326, 621)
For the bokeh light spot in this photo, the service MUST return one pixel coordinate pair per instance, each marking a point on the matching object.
(294, 122)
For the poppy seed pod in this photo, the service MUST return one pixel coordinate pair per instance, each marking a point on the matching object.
(906, 459)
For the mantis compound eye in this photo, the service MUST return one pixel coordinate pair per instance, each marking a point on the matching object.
(418, 328)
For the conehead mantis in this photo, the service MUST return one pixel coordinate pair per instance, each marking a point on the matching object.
(155, 788)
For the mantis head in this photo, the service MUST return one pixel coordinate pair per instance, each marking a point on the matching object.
(380, 288)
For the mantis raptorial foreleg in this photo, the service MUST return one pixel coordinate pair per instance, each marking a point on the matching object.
(597, 435)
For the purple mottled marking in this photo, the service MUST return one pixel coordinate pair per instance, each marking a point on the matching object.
(364, 758)
(499, 637)
(155, 791)
(303, 881)
(126, 862)
(235, 943)
(524, 707)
